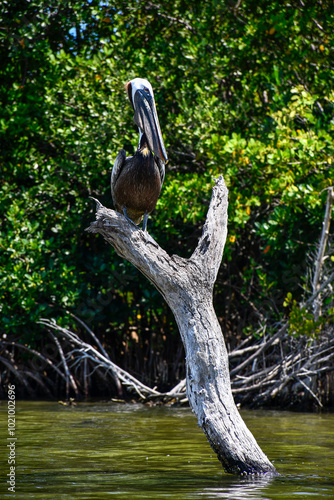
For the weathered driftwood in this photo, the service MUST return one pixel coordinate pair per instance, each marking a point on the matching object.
(187, 285)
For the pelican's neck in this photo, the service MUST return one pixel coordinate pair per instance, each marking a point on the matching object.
(140, 138)
(142, 146)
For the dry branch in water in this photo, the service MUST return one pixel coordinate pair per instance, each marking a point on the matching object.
(321, 250)
(187, 286)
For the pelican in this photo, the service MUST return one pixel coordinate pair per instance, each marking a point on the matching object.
(136, 181)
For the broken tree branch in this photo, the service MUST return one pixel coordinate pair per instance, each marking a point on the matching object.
(321, 250)
(86, 351)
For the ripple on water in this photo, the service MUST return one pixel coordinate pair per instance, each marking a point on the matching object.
(107, 450)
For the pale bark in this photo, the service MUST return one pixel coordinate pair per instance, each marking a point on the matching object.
(187, 286)
(321, 251)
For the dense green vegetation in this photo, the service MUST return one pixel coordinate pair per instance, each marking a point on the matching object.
(243, 89)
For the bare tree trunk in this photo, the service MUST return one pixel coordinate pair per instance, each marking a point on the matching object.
(321, 252)
(187, 286)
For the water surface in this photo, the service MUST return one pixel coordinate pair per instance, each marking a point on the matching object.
(107, 450)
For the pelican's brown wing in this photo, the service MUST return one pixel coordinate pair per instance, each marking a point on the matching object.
(116, 170)
(161, 167)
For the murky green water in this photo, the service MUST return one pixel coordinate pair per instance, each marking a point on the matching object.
(107, 450)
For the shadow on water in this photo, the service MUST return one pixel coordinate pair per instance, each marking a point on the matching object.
(106, 450)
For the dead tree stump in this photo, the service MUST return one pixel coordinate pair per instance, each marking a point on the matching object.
(187, 286)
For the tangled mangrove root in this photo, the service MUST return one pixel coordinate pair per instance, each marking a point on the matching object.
(276, 369)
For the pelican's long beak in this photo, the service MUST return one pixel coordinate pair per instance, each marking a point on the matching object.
(146, 118)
